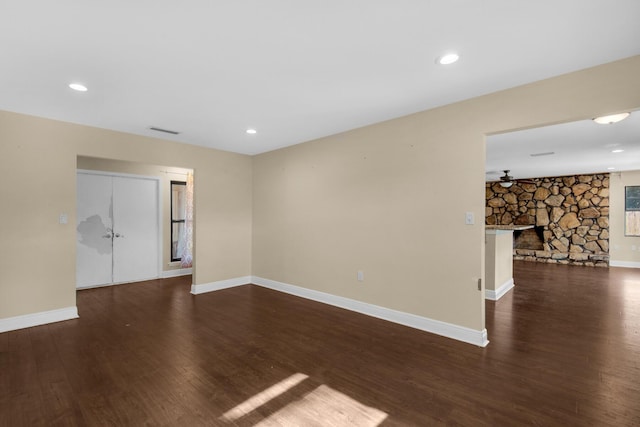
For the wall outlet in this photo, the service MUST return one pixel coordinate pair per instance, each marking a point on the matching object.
(360, 276)
(63, 219)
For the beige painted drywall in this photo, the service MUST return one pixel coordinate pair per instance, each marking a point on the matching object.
(37, 255)
(374, 199)
(165, 175)
(621, 246)
(378, 199)
(498, 259)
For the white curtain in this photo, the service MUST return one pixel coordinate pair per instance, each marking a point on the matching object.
(185, 245)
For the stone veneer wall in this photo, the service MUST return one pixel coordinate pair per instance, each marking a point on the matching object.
(573, 211)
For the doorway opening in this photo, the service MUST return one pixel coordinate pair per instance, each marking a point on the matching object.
(164, 263)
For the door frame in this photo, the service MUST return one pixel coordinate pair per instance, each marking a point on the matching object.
(159, 218)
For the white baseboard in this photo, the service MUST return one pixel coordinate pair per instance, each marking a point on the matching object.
(220, 284)
(37, 319)
(176, 273)
(448, 330)
(628, 264)
(499, 293)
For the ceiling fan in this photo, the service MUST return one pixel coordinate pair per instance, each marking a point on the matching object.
(507, 180)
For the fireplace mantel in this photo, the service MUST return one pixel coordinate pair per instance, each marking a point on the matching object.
(507, 227)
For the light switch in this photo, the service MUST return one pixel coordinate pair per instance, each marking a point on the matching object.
(64, 218)
(469, 219)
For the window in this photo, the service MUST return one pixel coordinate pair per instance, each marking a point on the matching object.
(178, 216)
(632, 211)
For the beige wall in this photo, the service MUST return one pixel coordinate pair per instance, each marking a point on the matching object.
(165, 175)
(621, 246)
(498, 258)
(377, 199)
(37, 256)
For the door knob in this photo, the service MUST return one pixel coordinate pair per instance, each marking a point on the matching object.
(106, 236)
(119, 235)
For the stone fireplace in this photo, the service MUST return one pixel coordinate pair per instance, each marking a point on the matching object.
(570, 215)
(531, 238)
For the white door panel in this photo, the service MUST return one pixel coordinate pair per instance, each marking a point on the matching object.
(94, 216)
(135, 243)
(117, 232)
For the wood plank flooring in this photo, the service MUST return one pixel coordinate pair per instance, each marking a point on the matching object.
(564, 350)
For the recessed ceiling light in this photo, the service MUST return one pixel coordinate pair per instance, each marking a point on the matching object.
(618, 150)
(252, 131)
(77, 86)
(613, 118)
(611, 169)
(447, 59)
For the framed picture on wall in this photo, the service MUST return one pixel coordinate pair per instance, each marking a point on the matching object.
(632, 210)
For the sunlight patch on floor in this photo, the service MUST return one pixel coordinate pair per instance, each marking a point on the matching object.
(325, 406)
(263, 397)
(322, 406)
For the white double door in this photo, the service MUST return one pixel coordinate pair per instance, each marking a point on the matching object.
(117, 229)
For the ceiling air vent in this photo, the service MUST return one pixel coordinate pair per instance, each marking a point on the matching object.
(172, 132)
(548, 153)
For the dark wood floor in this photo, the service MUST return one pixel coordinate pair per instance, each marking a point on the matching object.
(565, 350)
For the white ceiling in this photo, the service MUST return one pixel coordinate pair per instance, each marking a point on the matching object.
(581, 147)
(293, 70)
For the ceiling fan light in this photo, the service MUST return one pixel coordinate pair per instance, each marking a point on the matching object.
(506, 184)
(613, 118)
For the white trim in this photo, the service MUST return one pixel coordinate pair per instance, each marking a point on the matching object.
(177, 272)
(448, 330)
(628, 264)
(36, 319)
(220, 284)
(119, 174)
(499, 293)
(160, 219)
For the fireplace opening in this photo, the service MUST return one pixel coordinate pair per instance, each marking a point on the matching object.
(531, 238)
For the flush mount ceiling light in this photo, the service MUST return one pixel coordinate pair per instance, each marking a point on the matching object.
(77, 86)
(447, 59)
(617, 150)
(613, 118)
(252, 131)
